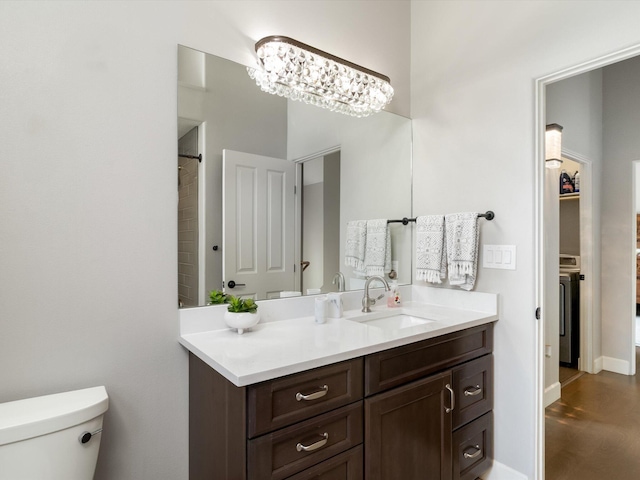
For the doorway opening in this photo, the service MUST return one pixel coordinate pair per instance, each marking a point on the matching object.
(319, 206)
(609, 350)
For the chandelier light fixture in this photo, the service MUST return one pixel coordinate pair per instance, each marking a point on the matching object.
(553, 146)
(291, 69)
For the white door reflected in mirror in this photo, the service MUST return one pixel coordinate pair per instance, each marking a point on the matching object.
(257, 224)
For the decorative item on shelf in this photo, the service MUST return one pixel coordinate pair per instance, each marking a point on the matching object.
(241, 314)
(291, 69)
(566, 184)
(553, 146)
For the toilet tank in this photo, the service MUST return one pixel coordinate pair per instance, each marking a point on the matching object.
(40, 438)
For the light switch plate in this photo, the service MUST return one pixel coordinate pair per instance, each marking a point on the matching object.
(499, 256)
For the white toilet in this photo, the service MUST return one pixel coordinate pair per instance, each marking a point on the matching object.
(54, 437)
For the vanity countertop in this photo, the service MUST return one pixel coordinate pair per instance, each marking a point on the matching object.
(277, 348)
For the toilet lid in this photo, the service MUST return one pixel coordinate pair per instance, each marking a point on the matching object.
(32, 417)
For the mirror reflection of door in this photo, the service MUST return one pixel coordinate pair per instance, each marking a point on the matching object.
(258, 205)
(188, 219)
(320, 223)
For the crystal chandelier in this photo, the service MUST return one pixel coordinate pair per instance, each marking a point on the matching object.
(297, 71)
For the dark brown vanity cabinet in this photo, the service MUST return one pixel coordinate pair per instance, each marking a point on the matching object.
(432, 391)
(420, 411)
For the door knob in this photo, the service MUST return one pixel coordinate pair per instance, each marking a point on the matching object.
(232, 284)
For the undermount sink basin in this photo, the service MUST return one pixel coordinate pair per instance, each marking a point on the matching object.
(395, 322)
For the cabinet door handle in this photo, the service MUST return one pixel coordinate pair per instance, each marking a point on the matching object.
(313, 396)
(472, 391)
(314, 446)
(478, 451)
(453, 399)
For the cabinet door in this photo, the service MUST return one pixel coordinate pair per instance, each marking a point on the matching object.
(408, 431)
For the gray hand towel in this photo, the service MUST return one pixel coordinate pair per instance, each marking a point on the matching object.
(462, 235)
(356, 242)
(431, 262)
(377, 255)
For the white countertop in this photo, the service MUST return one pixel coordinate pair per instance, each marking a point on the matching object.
(277, 348)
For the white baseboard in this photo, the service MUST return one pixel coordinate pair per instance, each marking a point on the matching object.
(552, 393)
(500, 471)
(597, 365)
(616, 365)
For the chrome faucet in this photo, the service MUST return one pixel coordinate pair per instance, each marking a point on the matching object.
(367, 301)
(339, 278)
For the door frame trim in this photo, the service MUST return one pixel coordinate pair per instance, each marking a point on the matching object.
(587, 259)
(539, 231)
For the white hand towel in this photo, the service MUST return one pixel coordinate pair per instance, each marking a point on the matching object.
(356, 244)
(377, 255)
(461, 232)
(431, 261)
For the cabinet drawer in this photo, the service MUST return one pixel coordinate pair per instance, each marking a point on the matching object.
(473, 387)
(280, 454)
(284, 401)
(473, 448)
(400, 365)
(346, 466)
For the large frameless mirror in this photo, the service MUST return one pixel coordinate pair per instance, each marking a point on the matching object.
(266, 186)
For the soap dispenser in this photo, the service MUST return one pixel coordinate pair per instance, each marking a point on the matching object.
(393, 298)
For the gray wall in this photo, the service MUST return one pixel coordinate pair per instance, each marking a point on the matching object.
(313, 235)
(88, 196)
(621, 149)
(331, 199)
(570, 226)
(473, 104)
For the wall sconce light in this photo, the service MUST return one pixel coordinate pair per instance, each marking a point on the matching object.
(553, 146)
(291, 69)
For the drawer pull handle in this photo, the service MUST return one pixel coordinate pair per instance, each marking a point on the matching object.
(472, 455)
(453, 399)
(314, 446)
(471, 392)
(313, 396)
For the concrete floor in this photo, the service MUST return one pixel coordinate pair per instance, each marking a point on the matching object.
(593, 431)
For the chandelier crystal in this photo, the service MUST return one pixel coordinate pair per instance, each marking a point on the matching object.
(297, 71)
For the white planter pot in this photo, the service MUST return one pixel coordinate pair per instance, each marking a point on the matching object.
(241, 321)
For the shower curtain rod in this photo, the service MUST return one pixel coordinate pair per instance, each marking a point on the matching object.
(199, 157)
(489, 215)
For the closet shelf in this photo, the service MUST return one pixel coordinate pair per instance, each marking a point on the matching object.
(569, 196)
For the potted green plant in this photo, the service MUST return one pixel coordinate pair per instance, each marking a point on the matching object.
(217, 297)
(242, 313)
